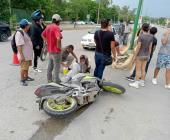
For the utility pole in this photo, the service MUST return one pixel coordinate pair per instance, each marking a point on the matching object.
(136, 24)
(10, 11)
(98, 13)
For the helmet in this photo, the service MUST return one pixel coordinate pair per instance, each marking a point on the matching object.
(36, 15)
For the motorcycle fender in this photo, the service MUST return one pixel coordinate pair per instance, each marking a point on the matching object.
(41, 104)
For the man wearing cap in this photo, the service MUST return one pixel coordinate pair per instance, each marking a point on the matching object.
(52, 37)
(25, 50)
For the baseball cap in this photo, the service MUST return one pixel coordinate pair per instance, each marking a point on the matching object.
(56, 17)
(23, 23)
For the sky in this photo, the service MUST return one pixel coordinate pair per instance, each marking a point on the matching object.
(152, 8)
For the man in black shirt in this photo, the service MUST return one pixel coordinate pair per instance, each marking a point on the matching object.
(35, 34)
(105, 47)
(153, 32)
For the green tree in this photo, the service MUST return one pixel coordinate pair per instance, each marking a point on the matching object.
(162, 21)
(106, 3)
(4, 11)
(146, 19)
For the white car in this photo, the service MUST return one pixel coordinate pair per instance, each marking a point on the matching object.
(80, 23)
(88, 39)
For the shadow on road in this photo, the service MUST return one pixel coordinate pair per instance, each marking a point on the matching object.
(52, 127)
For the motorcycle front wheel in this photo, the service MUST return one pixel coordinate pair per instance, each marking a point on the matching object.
(60, 108)
(111, 87)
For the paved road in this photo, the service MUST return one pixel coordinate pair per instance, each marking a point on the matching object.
(142, 114)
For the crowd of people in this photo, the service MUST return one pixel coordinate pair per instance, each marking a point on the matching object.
(146, 45)
(30, 40)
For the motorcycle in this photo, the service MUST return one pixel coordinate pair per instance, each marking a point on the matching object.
(60, 100)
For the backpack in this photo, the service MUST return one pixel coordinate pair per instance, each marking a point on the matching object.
(13, 42)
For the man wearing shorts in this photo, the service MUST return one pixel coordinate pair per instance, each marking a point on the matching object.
(25, 51)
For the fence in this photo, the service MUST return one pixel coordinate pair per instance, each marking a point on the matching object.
(20, 14)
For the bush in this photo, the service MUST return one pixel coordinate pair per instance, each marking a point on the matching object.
(13, 22)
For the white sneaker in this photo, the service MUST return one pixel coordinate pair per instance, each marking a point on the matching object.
(37, 70)
(142, 83)
(154, 81)
(134, 84)
(167, 86)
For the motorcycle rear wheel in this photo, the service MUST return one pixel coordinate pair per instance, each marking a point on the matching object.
(111, 87)
(55, 109)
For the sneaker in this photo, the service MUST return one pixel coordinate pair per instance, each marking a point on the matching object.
(37, 70)
(167, 86)
(29, 79)
(132, 79)
(134, 84)
(23, 83)
(142, 83)
(154, 81)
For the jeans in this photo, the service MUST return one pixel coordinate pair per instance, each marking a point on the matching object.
(125, 38)
(54, 64)
(100, 66)
(146, 69)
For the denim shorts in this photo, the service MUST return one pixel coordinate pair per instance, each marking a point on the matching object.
(163, 61)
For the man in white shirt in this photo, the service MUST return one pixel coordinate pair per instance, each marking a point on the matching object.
(25, 50)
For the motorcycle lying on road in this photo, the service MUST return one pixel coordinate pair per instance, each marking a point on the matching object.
(60, 100)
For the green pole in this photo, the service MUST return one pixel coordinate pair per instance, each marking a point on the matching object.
(136, 24)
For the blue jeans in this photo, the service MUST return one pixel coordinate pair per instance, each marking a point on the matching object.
(100, 66)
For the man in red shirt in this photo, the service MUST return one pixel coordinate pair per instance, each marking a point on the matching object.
(52, 37)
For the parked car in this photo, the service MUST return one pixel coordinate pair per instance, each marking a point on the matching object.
(5, 31)
(90, 22)
(88, 39)
(80, 23)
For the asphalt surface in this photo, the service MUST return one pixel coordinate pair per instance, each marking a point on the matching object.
(140, 114)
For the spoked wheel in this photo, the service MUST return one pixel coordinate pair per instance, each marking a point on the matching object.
(111, 87)
(60, 108)
(43, 54)
(3, 37)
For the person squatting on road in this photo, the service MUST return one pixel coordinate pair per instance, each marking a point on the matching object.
(67, 59)
(35, 34)
(142, 55)
(105, 47)
(25, 51)
(153, 32)
(163, 60)
(53, 37)
(81, 67)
